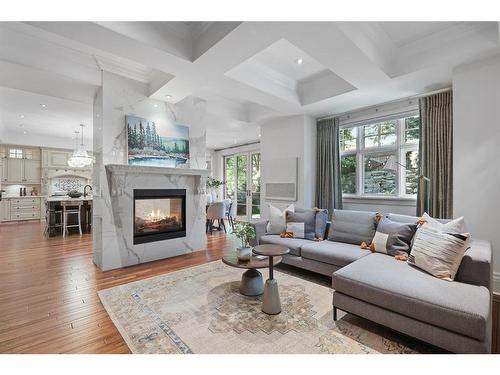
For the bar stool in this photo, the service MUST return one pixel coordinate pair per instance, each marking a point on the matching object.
(71, 208)
(51, 216)
(88, 215)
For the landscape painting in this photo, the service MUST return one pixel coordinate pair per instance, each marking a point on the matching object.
(157, 145)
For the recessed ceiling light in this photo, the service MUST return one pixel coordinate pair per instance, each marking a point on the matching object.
(168, 96)
(21, 116)
(44, 105)
(299, 61)
(25, 132)
(155, 105)
(259, 135)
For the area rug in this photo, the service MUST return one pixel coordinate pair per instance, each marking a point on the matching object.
(199, 310)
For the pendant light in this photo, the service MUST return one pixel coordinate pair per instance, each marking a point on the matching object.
(80, 157)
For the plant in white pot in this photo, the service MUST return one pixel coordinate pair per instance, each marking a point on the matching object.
(244, 232)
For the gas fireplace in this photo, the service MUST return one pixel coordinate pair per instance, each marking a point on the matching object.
(159, 214)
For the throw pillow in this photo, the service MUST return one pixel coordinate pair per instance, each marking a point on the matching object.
(455, 226)
(352, 227)
(438, 253)
(302, 224)
(393, 238)
(277, 219)
(321, 220)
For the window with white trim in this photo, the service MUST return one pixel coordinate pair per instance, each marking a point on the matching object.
(365, 149)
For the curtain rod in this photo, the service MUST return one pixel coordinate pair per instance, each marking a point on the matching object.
(385, 103)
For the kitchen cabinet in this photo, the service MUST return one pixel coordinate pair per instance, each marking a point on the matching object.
(22, 171)
(20, 165)
(21, 208)
(15, 170)
(4, 210)
(3, 170)
(55, 158)
(32, 171)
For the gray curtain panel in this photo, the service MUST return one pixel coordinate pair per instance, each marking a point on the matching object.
(328, 186)
(436, 155)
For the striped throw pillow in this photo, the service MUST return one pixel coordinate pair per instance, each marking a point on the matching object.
(438, 253)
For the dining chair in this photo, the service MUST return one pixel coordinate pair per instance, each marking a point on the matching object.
(216, 211)
(229, 211)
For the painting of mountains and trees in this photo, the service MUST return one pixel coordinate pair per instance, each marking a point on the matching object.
(157, 145)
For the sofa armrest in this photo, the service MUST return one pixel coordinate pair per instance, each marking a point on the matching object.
(260, 230)
(476, 267)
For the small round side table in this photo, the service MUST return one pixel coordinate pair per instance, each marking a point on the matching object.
(271, 303)
(251, 281)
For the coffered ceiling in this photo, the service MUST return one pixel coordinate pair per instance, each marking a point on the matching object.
(248, 72)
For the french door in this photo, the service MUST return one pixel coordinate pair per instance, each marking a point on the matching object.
(242, 183)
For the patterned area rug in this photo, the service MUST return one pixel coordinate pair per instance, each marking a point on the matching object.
(199, 310)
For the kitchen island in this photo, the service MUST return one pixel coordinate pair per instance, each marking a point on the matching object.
(54, 205)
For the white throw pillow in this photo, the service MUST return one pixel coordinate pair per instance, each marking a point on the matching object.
(455, 225)
(439, 253)
(277, 219)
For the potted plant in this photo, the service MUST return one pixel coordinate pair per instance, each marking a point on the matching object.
(244, 232)
(212, 186)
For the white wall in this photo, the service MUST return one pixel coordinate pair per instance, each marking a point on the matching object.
(286, 137)
(476, 142)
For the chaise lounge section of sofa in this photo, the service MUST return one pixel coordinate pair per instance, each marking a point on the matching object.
(453, 315)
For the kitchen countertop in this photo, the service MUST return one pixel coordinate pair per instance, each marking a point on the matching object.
(23, 197)
(61, 198)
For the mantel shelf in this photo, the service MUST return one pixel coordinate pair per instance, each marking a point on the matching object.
(139, 169)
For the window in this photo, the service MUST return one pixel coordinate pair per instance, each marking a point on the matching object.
(367, 148)
(15, 153)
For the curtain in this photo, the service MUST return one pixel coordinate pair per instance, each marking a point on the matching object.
(436, 156)
(328, 185)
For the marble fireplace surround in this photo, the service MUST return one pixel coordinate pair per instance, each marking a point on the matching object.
(123, 179)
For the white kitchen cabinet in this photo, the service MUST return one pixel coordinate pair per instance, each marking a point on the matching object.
(31, 171)
(4, 210)
(15, 170)
(3, 170)
(21, 208)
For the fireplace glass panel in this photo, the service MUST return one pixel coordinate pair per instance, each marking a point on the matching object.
(158, 215)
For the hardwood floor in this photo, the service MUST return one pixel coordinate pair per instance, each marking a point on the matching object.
(48, 299)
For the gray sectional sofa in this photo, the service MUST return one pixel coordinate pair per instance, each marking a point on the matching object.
(455, 316)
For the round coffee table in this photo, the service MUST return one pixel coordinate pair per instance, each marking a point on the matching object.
(271, 303)
(251, 281)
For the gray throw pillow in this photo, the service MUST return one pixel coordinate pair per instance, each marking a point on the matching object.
(320, 219)
(393, 238)
(302, 224)
(352, 227)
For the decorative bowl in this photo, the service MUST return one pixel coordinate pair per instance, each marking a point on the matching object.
(74, 194)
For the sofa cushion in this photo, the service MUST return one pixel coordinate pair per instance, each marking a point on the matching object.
(394, 285)
(301, 224)
(294, 244)
(336, 253)
(352, 227)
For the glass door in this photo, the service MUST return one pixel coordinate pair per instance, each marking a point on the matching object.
(242, 177)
